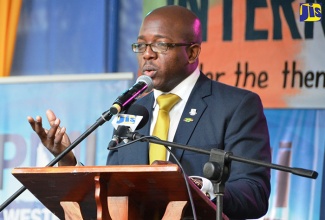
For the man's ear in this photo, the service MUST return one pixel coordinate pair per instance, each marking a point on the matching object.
(193, 52)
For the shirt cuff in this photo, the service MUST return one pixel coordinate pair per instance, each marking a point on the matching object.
(207, 186)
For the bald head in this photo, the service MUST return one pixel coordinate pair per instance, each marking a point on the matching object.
(179, 29)
(179, 19)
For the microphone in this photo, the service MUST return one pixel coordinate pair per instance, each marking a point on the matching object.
(144, 83)
(135, 118)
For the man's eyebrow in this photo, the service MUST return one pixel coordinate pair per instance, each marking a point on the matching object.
(158, 36)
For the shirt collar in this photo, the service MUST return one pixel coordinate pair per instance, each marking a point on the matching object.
(183, 89)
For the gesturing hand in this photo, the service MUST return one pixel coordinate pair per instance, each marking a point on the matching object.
(55, 139)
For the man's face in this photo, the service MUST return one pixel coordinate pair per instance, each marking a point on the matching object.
(167, 69)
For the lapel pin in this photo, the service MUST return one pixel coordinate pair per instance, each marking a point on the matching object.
(193, 112)
(188, 119)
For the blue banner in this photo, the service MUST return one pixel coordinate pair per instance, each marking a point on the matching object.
(77, 102)
(297, 140)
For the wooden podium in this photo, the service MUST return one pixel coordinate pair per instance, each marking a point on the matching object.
(115, 192)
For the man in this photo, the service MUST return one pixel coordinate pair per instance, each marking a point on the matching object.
(207, 114)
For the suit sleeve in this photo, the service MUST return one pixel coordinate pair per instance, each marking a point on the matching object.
(248, 187)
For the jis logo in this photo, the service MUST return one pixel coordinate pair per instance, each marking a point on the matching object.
(125, 119)
(310, 12)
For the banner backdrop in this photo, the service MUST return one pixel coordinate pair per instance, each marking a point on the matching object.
(262, 46)
(297, 140)
(78, 103)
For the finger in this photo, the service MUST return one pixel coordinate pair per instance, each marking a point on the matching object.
(51, 133)
(38, 125)
(59, 136)
(31, 121)
(51, 117)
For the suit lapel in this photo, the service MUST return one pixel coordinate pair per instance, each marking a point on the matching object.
(192, 113)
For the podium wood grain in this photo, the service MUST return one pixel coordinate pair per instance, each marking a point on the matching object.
(137, 190)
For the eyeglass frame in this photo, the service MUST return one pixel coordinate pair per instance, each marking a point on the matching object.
(169, 45)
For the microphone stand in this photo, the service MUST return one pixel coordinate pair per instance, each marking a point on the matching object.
(219, 165)
(106, 116)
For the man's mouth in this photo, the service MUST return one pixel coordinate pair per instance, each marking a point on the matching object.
(149, 71)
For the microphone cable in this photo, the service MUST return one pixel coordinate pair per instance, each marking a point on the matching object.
(178, 163)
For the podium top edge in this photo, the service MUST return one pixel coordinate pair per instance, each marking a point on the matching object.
(98, 169)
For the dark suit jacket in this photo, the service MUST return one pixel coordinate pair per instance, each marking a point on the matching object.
(227, 118)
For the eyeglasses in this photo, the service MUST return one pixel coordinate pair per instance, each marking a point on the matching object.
(157, 47)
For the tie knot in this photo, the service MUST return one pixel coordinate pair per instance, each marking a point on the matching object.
(167, 101)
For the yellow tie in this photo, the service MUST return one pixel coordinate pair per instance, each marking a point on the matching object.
(166, 103)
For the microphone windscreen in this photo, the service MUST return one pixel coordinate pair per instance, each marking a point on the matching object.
(147, 80)
(140, 110)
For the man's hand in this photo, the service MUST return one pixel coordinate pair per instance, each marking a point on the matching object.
(161, 162)
(204, 185)
(55, 139)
